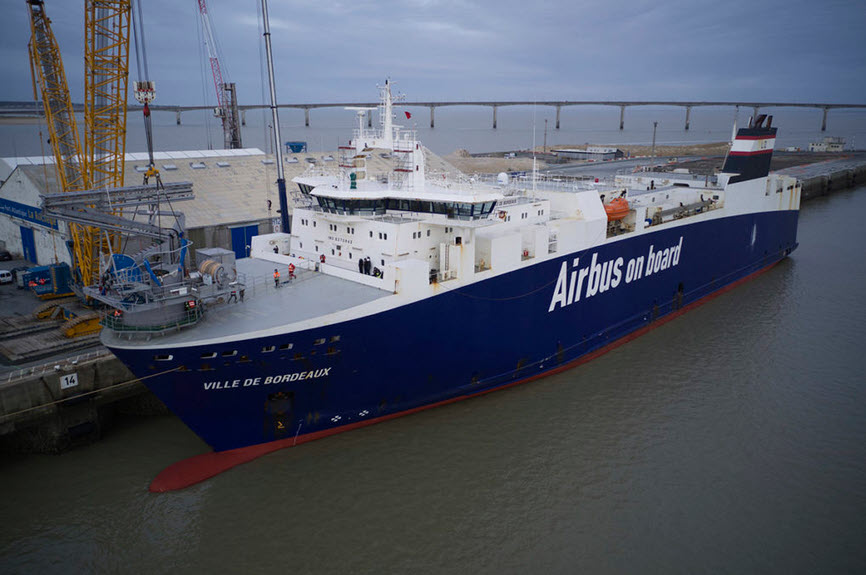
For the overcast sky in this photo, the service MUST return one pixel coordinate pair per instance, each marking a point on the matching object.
(337, 51)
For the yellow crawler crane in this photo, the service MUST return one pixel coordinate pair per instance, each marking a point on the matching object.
(47, 67)
(100, 165)
(106, 66)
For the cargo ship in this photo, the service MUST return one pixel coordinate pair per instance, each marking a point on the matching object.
(401, 284)
(403, 289)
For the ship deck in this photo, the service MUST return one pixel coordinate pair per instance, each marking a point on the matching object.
(311, 294)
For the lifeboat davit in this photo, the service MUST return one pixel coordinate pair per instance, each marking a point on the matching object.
(617, 209)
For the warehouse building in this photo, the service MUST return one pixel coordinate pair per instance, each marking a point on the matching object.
(235, 199)
(590, 153)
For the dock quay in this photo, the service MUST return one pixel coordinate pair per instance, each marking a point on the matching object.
(56, 393)
(821, 178)
(819, 173)
(53, 406)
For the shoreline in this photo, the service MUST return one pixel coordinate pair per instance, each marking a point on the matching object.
(20, 120)
(500, 162)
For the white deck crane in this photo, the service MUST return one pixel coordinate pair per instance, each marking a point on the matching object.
(227, 101)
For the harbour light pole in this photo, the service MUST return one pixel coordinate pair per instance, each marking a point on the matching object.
(655, 125)
(545, 135)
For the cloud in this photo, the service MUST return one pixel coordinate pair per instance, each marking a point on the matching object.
(463, 49)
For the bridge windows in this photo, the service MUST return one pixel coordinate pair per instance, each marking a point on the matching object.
(455, 210)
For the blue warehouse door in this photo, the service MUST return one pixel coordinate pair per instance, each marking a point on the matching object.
(242, 238)
(28, 244)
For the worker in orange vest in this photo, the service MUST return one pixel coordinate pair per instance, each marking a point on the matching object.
(291, 271)
(276, 278)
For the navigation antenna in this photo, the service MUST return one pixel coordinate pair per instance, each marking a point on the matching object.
(278, 150)
(534, 165)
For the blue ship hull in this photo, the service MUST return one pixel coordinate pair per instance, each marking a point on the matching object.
(484, 336)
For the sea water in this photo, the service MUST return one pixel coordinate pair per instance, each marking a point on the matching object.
(730, 440)
(470, 128)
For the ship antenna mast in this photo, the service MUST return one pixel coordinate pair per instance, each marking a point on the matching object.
(389, 115)
(275, 118)
(534, 164)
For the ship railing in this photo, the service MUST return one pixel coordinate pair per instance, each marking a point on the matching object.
(236, 291)
(52, 366)
(513, 201)
(316, 170)
(522, 183)
(303, 201)
(114, 320)
(253, 285)
(136, 292)
(459, 182)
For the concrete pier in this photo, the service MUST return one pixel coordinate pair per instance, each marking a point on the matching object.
(823, 178)
(49, 408)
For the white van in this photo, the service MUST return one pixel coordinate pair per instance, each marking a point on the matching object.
(5, 277)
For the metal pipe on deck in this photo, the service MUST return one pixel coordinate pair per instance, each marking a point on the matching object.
(494, 117)
(432, 119)
(177, 117)
(824, 120)
(558, 109)
(307, 117)
(688, 113)
(621, 117)
(243, 117)
(755, 111)
(369, 119)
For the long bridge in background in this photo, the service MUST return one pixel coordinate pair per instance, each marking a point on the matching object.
(35, 108)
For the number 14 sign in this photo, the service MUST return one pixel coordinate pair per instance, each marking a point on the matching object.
(68, 380)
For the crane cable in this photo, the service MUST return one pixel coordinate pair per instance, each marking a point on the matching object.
(144, 74)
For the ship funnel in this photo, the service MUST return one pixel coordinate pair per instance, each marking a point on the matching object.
(751, 151)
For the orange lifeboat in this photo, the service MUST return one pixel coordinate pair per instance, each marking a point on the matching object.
(617, 209)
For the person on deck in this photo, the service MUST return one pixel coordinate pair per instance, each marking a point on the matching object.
(276, 278)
